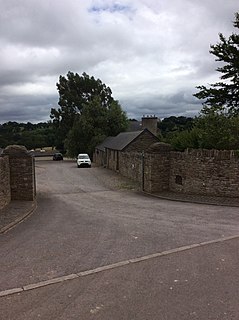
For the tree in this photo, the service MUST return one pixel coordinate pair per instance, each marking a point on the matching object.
(172, 124)
(223, 96)
(210, 131)
(218, 131)
(182, 140)
(74, 92)
(93, 125)
(27, 134)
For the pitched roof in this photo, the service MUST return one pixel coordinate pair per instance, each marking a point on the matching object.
(122, 140)
(102, 145)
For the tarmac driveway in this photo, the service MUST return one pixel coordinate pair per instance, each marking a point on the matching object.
(88, 218)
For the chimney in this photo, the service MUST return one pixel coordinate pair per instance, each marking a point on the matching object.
(150, 122)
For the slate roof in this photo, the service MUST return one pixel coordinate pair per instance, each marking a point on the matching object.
(120, 141)
(123, 139)
(102, 145)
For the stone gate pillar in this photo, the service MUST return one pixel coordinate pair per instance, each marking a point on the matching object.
(22, 173)
(5, 191)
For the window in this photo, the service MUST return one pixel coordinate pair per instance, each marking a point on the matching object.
(178, 179)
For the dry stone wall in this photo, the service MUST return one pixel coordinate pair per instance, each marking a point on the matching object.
(205, 172)
(130, 165)
(201, 172)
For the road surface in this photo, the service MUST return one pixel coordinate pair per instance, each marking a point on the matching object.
(88, 218)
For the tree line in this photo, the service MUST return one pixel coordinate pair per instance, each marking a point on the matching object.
(88, 113)
(30, 135)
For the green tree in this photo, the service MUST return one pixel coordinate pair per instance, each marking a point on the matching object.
(75, 91)
(27, 134)
(210, 131)
(182, 140)
(218, 131)
(224, 95)
(93, 125)
(172, 124)
(87, 113)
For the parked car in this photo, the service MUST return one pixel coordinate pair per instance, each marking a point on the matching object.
(83, 160)
(57, 156)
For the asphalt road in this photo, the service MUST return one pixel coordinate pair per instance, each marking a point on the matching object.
(88, 218)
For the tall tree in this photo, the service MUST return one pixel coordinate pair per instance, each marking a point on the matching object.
(93, 125)
(223, 96)
(83, 100)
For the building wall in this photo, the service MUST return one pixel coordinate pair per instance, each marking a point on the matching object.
(99, 158)
(141, 143)
(5, 191)
(112, 159)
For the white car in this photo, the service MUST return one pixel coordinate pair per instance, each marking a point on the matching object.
(83, 160)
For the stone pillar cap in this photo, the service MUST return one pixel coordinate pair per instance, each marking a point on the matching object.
(15, 149)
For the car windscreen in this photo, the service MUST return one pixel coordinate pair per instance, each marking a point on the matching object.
(83, 157)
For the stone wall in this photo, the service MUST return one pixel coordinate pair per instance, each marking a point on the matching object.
(201, 172)
(130, 165)
(5, 191)
(157, 168)
(205, 172)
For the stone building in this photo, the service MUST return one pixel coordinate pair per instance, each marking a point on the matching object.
(139, 136)
(112, 149)
(99, 156)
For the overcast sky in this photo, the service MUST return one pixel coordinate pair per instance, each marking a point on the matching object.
(151, 53)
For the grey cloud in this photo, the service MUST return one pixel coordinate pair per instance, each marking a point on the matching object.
(178, 104)
(26, 108)
(137, 47)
